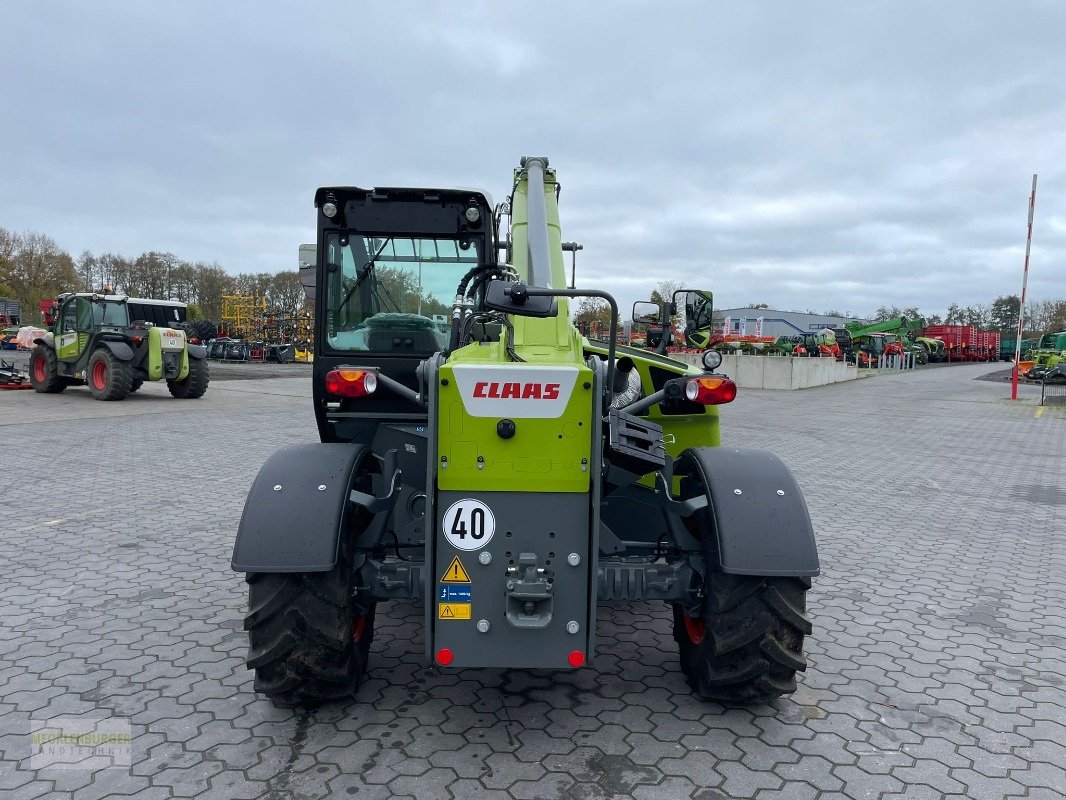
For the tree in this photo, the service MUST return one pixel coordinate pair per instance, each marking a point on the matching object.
(885, 313)
(976, 315)
(592, 314)
(286, 293)
(664, 293)
(955, 315)
(1004, 313)
(34, 267)
(758, 305)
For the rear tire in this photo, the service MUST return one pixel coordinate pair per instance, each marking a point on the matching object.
(108, 377)
(748, 645)
(309, 641)
(194, 384)
(44, 371)
(137, 383)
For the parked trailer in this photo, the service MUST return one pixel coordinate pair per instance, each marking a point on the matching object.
(966, 342)
(10, 313)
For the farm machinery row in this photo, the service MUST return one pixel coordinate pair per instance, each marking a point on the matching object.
(866, 344)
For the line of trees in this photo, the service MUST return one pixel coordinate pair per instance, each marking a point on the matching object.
(33, 267)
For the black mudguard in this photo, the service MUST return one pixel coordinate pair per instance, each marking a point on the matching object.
(120, 350)
(197, 351)
(289, 524)
(762, 522)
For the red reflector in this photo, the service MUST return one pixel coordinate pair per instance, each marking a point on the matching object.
(576, 659)
(351, 382)
(711, 391)
(445, 656)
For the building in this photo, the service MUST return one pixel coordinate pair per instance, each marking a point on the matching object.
(775, 323)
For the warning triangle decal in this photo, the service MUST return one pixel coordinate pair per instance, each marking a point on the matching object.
(456, 573)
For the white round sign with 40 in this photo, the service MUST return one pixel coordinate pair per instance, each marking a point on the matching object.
(469, 524)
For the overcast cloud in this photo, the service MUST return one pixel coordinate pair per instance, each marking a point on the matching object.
(808, 155)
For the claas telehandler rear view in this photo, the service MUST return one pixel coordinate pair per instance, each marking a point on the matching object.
(479, 457)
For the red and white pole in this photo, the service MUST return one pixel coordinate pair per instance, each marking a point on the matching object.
(1021, 305)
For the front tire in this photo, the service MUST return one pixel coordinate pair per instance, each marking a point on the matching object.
(309, 642)
(747, 646)
(108, 377)
(194, 384)
(44, 371)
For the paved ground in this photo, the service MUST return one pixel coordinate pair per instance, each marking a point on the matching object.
(937, 661)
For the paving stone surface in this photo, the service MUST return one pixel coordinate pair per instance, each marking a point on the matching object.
(937, 663)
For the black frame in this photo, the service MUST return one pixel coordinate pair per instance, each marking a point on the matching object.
(400, 212)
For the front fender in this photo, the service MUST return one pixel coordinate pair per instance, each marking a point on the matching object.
(290, 523)
(758, 512)
(197, 351)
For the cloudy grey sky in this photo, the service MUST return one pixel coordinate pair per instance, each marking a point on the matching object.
(804, 154)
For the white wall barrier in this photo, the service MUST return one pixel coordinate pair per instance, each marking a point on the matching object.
(780, 372)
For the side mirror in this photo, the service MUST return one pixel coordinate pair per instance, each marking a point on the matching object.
(514, 298)
(308, 278)
(647, 313)
(699, 305)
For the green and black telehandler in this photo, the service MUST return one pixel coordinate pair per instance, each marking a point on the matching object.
(113, 344)
(507, 474)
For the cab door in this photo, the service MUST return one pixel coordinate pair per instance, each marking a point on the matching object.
(75, 327)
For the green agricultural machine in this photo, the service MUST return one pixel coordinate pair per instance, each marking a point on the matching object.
(113, 344)
(904, 330)
(509, 476)
(1050, 351)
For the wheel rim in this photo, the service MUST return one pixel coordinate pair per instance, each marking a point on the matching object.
(358, 629)
(100, 374)
(40, 369)
(695, 629)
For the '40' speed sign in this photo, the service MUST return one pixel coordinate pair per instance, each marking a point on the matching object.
(469, 524)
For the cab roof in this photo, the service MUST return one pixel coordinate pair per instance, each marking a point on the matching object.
(121, 298)
(405, 193)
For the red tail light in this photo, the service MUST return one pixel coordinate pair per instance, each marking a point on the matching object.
(445, 656)
(351, 382)
(576, 659)
(711, 391)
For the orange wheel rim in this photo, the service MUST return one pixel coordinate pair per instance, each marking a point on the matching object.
(100, 375)
(695, 629)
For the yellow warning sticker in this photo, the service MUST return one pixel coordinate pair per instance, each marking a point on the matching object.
(456, 573)
(453, 611)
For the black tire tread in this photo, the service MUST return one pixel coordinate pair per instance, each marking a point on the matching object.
(194, 384)
(300, 637)
(119, 376)
(753, 642)
(53, 383)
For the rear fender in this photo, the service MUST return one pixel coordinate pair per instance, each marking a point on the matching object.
(120, 350)
(756, 508)
(297, 508)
